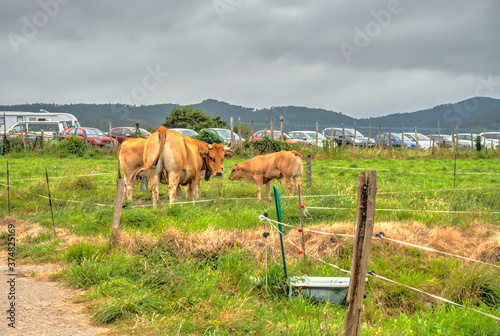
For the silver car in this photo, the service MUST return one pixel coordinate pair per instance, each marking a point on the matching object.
(308, 137)
(423, 140)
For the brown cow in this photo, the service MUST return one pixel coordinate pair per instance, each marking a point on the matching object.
(264, 168)
(172, 157)
(130, 159)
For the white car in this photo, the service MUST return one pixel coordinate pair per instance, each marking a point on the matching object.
(185, 131)
(490, 139)
(467, 139)
(423, 140)
(308, 137)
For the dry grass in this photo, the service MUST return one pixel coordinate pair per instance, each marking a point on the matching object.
(480, 242)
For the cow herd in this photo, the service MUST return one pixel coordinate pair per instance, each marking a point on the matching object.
(171, 158)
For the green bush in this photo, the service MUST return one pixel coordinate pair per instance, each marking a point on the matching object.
(208, 137)
(265, 146)
(73, 145)
(478, 143)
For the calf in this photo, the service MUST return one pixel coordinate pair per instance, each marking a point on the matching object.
(264, 168)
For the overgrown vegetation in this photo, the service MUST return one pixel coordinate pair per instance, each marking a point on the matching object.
(201, 268)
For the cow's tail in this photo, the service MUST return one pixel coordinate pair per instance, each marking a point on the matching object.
(118, 160)
(162, 134)
(297, 154)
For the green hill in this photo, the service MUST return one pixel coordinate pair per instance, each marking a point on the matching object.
(484, 112)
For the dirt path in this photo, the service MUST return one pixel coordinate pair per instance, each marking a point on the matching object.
(42, 307)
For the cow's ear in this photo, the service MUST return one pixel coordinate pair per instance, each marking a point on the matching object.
(203, 152)
(228, 153)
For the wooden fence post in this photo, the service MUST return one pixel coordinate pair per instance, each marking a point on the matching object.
(453, 138)
(402, 137)
(110, 137)
(251, 130)
(232, 132)
(308, 170)
(50, 202)
(367, 190)
(43, 138)
(379, 143)
(239, 129)
(316, 133)
(369, 133)
(343, 135)
(439, 134)
(115, 224)
(281, 125)
(389, 140)
(471, 137)
(272, 128)
(416, 138)
(265, 126)
(8, 186)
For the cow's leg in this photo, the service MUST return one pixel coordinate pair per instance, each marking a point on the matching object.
(259, 190)
(297, 182)
(191, 193)
(154, 181)
(268, 191)
(289, 184)
(129, 188)
(173, 183)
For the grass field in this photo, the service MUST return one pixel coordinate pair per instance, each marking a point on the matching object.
(188, 268)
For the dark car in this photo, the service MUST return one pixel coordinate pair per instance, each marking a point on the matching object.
(94, 136)
(347, 136)
(123, 133)
(225, 135)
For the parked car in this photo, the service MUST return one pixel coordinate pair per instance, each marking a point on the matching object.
(465, 138)
(308, 137)
(225, 135)
(185, 131)
(121, 134)
(277, 136)
(94, 136)
(445, 140)
(423, 140)
(50, 129)
(394, 140)
(349, 139)
(490, 139)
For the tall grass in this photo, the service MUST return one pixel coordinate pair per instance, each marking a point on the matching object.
(199, 268)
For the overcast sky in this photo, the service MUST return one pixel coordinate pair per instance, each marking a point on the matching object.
(362, 58)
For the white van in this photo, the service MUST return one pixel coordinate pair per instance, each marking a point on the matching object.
(51, 129)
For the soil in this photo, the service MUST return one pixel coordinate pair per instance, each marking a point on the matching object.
(42, 307)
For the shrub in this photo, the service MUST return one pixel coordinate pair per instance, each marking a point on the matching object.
(73, 145)
(208, 137)
(265, 146)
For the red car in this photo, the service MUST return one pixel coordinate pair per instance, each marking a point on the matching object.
(277, 136)
(123, 133)
(94, 136)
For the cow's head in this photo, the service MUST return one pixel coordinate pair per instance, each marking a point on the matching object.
(214, 156)
(236, 173)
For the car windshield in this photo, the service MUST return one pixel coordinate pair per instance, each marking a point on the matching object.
(443, 137)
(142, 131)
(398, 137)
(312, 136)
(223, 133)
(350, 133)
(422, 137)
(492, 136)
(93, 131)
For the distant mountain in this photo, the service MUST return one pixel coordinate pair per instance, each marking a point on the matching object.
(484, 112)
(459, 114)
(489, 119)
